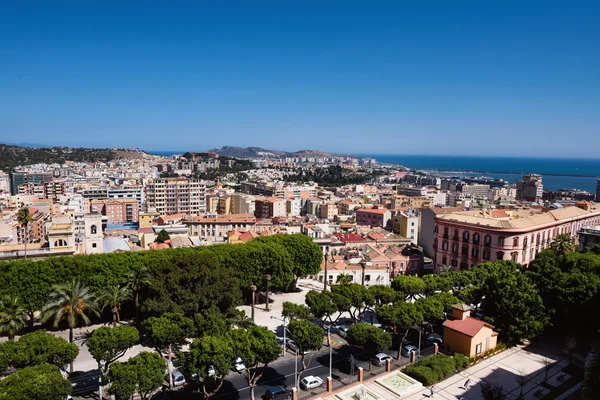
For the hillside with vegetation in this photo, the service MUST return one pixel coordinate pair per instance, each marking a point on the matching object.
(13, 156)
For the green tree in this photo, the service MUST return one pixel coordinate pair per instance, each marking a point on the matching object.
(307, 337)
(435, 283)
(113, 297)
(562, 244)
(409, 286)
(11, 316)
(513, 304)
(23, 219)
(162, 237)
(107, 345)
(323, 305)
(211, 357)
(257, 347)
(352, 298)
(369, 337)
(431, 309)
(401, 316)
(382, 295)
(295, 311)
(40, 382)
(71, 302)
(144, 372)
(343, 279)
(137, 279)
(42, 347)
(166, 331)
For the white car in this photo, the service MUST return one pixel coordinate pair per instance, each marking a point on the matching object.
(292, 346)
(311, 382)
(239, 365)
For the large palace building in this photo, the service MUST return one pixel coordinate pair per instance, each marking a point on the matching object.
(466, 238)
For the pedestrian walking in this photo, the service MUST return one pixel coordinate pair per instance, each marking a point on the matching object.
(431, 391)
(467, 384)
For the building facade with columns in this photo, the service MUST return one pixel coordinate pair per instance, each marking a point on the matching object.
(465, 239)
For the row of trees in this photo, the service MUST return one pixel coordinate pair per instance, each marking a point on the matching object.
(176, 280)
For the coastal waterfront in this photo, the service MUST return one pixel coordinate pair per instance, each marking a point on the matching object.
(558, 173)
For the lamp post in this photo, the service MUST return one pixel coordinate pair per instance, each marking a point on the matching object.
(363, 264)
(326, 257)
(330, 348)
(284, 332)
(253, 289)
(267, 278)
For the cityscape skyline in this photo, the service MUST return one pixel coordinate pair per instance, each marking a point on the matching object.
(475, 79)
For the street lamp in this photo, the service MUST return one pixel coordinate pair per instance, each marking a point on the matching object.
(284, 331)
(326, 257)
(363, 264)
(253, 289)
(267, 278)
(330, 348)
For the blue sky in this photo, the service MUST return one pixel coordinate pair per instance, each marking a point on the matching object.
(421, 77)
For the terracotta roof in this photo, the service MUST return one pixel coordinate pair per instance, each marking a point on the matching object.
(172, 217)
(373, 210)
(348, 237)
(469, 326)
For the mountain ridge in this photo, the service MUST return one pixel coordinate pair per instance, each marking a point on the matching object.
(259, 152)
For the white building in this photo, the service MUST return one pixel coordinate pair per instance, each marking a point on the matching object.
(93, 237)
(372, 275)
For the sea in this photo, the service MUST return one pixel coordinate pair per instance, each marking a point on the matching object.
(557, 173)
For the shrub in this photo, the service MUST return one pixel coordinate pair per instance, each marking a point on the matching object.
(460, 361)
(432, 369)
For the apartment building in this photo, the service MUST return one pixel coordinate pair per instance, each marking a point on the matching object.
(119, 212)
(346, 207)
(176, 195)
(598, 191)
(22, 178)
(329, 211)
(406, 224)
(146, 219)
(476, 190)
(215, 227)
(374, 217)
(269, 207)
(242, 204)
(464, 239)
(224, 205)
(43, 190)
(530, 188)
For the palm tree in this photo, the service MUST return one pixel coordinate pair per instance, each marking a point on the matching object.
(563, 244)
(71, 302)
(24, 218)
(12, 316)
(113, 297)
(137, 279)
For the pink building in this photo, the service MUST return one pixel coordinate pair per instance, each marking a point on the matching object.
(467, 238)
(373, 217)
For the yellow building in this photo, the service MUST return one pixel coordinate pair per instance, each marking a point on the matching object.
(146, 219)
(466, 335)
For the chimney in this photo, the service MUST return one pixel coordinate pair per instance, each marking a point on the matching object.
(461, 311)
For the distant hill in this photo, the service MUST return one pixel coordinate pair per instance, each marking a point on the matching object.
(257, 152)
(12, 156)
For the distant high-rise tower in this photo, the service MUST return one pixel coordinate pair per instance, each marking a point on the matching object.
(530, 188)
(598, 191)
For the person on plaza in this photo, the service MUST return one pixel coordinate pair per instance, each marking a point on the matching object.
(467, 384)
(431, 391)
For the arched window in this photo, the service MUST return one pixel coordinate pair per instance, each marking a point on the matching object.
(445, 245)
(466, 236)
(93, 229)
(525, 242)
(476, 238)
(456, 234)
(500, 255)
(487, 240)
(60, 243)
(516, 241)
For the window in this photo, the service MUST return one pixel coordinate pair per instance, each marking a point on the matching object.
(516, 241)
(487, 240)
(478, 349)
(93, 229)
(501, 240)
(94, 245)
(367, 278)
(466, 236)
(444, 260)
(476, 238)
(445, 246)
(412, 224)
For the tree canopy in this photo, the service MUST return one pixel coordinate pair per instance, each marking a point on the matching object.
(107, 345)
(143, 374)
(40, 382)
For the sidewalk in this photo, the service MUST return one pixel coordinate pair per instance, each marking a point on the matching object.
(503, 370)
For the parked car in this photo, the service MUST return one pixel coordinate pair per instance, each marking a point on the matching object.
(380, 359)
(311, 382)
(178, 378)
(239, 365)
(342, 330)
(277, 393)
(292, 346)
(435, 338)
(406, 350)
(211, 372)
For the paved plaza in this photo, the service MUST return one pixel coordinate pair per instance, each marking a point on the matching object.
(505, 370)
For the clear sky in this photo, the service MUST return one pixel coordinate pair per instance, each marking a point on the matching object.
(422, 77)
